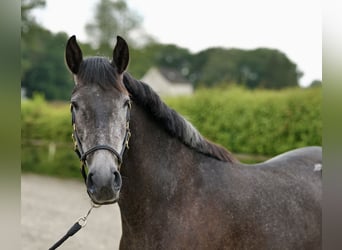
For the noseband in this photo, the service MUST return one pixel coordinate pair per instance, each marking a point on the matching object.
(83, 155)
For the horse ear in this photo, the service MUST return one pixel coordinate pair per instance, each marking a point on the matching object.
(120, 55)
(73, 55)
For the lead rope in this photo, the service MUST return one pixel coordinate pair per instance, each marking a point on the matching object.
(80, 223)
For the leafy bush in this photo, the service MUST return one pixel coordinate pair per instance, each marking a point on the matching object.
(256, 122)
(46, 138)
(260, 122)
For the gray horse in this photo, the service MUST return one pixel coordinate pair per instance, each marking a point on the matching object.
(175, 189)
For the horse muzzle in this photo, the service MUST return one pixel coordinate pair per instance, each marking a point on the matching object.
(103, 187)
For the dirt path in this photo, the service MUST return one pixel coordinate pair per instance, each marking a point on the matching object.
(49, 206)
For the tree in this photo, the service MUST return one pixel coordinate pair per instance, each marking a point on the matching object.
(111, 18)
(28, 20)
(275, 70)
(259, 68)
(160, 55)
(42, 57)
(28, 25)
(316, 83)
(214, 66)
(46, 72)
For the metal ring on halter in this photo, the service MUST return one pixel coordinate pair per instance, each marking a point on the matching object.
(82, 221)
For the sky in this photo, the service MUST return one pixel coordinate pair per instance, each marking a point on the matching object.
(291, 26)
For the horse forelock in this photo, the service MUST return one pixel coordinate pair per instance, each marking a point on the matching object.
(98, 70)
(175, 124)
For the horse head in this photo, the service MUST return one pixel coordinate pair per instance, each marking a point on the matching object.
(100, 107)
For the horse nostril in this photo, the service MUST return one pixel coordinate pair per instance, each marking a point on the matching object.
(117, 181)
(90, 183)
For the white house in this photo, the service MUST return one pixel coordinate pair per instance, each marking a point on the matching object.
(167, 82)
(23, 93)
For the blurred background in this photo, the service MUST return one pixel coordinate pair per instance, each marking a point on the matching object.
(247, 74)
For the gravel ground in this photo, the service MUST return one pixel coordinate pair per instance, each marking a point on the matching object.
(49, 206)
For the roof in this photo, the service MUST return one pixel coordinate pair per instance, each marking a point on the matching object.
(173, 75)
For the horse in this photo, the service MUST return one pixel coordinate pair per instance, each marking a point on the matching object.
(176, 189)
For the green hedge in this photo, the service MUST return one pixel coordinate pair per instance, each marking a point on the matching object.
(259, 122)
(255, 122)
(46, 145)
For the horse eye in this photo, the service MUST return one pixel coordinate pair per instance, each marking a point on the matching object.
(74, 105)
(126, 103)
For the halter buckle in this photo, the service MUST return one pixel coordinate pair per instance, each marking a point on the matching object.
(127, 139)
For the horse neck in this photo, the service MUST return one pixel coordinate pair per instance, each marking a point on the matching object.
(153, 167)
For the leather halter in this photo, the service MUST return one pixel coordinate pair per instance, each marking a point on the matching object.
(83, 155)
